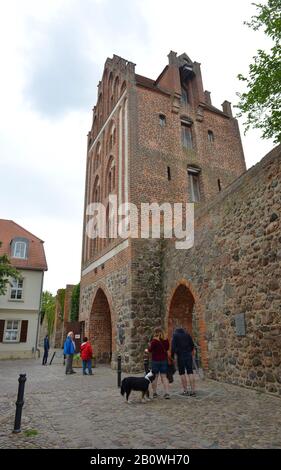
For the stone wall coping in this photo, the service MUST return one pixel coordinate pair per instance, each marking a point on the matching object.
(274, 154)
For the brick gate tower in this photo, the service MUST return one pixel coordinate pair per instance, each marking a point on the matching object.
(151, 141)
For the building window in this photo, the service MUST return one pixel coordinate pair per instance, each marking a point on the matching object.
(162, 120)
(169, 173)
(19, 250)
(17, 289)
(112, 139)
(111, 176)
(194, 184)
(211, 136)
(184, 97)
(186, 135)
(12, 331)
(219, 184)
(97, 157)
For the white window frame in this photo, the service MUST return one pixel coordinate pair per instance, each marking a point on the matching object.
(193, 175)
(22, 245)
(12, 329)
(18, 289)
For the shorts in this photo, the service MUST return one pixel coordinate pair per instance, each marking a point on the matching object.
(159, 367)
(185, 363)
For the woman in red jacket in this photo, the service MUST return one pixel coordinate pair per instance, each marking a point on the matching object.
(159, 360)
(86, 353)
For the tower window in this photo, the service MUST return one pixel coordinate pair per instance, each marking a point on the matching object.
(219, 184)
(162, 120)
(186, 135)
(194, 184)
(184, 96)
(211, 136)
(169, 173)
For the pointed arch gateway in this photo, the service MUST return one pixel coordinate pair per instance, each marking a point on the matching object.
(101, 327)
(184, 310)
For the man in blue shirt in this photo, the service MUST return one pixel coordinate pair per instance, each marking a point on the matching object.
(46, 350)
(69, 350)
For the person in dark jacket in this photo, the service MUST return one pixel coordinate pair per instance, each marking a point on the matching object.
(69, 350)
(183, 346)
(46, 350)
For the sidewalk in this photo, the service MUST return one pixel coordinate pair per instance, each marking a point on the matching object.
(78, 411)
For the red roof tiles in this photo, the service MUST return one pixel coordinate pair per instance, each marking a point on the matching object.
(36, 259)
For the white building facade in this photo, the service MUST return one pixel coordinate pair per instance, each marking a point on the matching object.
(20, 305)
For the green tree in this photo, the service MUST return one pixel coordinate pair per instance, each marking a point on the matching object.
(261, 103)
(48, 309)
(6, 272)
(74, 312)
(61, 300)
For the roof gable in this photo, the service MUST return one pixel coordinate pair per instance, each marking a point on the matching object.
(35, 259)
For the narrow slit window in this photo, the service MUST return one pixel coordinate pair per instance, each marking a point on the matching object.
(211, 136)
(169, 173)
(184, 97)
(162, 120)
(219, 184)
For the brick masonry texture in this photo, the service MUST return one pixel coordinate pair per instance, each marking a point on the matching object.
(234, 266)
(157, 147)
(115, 282)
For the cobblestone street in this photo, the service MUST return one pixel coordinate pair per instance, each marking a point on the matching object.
(88, 412)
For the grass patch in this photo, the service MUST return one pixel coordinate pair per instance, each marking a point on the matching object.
(30, 432)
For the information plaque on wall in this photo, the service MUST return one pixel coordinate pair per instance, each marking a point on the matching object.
(240, 324)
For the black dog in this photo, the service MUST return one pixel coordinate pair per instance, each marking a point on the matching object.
(140, 384)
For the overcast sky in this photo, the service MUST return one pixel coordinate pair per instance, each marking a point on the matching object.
(52, 57)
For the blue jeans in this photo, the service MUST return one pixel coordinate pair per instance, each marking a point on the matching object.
(87, 365)
(159, 367)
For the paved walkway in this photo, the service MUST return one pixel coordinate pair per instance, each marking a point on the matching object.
(78, 411)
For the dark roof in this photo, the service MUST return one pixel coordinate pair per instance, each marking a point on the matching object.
(36, 259)
(212, 108)
(161, 74)
(149, 83)
(144, 81)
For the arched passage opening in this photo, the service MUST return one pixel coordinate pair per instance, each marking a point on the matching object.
(181, 308)
(184, 310)
(101, 328)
